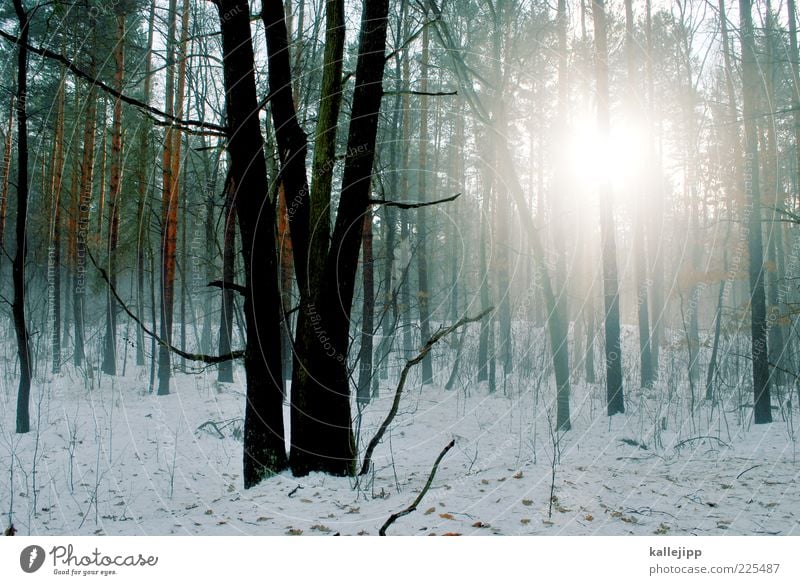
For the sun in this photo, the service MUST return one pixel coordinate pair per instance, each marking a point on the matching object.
(591, 158)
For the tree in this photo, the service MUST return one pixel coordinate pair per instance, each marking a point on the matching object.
(110, 347)
(758, 310)
(614, 391)
(18, 265)
(264, 449)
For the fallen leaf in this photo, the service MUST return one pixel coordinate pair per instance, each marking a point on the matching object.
(518, 475)
(525, 521)
(452, 534)
(446, 516)
(480, 524)
(430, 511)
(527, 502)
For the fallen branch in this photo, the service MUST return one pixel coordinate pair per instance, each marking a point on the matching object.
(391, 520)
(195, 357)
(721, 442)
(401, 384)
(417, 205)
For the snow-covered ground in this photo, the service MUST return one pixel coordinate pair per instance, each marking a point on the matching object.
(115, 460)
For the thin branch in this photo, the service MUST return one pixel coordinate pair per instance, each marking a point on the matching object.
(403, 375)
(721, 442)
(415, 92)
(421, 495)
(221, 284)
(196, 357)
(417, 205)
(77, 71)
(746, 470)
(412, 38)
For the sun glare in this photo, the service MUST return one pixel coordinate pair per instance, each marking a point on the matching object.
(592, 159)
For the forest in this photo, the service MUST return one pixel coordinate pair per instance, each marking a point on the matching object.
(399, 267)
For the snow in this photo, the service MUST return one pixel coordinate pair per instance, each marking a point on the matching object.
(140, 464)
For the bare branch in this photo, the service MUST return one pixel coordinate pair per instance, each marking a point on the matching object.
(221, 284)
(417, 205)
(196, 357)
(415, 92)
(403, 375)
(77, 71)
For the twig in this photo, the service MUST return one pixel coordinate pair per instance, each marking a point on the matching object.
(417, 205)
(413, 506)
(221, 284)
(675, 446)
(196, 357)
(746, 470)
(403, 375)
(212, 424)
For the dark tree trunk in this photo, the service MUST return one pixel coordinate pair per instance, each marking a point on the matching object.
(18, 265)
(264, 448)
(322, 438)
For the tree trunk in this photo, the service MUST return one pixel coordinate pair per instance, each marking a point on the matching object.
(614, 391)
(423, 291)
(365, 375)
(169, 212)
(264, 449)
(82, 208)
(647, 375)
(225, 369)
(142, 178)
(115, 185)
(758, 310)
(326, 132)
(54, 256)
(18, 265)
(794, 61)
(322, 438)
(9, 144)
